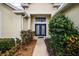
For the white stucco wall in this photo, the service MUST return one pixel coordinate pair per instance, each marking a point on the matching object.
(25, 24)
(40, 9)
(11, 23)
(73, 14)
(0, 24)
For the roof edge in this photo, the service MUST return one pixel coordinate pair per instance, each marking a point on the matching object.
(62, 7)
(22, 12)
(11, 6)
(19, 11)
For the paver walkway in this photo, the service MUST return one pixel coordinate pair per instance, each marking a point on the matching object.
(40, 48)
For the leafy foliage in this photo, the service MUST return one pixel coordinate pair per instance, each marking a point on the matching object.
(60, 26)
(71, 45)
(6, 44)
(27, 36)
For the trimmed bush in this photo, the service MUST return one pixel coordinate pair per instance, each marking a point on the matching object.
(59, 26)
(6, 44)
(27, 36)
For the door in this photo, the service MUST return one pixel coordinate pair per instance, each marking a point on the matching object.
(40, 29)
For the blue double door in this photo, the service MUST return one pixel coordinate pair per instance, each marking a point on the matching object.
(40, 29)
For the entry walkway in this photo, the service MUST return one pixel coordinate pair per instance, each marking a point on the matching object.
(40, 48)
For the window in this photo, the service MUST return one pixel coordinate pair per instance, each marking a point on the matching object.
(40, 19)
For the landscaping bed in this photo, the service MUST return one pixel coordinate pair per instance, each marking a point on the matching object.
(28, 49)
(8, 47)
(16, 46)
(49, 49)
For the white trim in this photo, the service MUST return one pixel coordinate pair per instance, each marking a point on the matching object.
(10, 5)
(25, 5)
(61, 8)
(40, 22)
(19, 11)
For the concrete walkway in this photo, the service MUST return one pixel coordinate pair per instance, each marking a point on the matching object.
(40, 48)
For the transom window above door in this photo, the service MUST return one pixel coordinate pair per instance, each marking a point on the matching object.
(40, 19)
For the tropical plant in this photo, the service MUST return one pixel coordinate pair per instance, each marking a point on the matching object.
(59, 26)
(71, 45)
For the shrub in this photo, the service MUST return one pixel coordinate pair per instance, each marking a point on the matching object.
(11, 52)
(17, 44)
(48, 45)
(27, 36)
(58, 27)
(6, 44)
(18, 41)
(71, 45)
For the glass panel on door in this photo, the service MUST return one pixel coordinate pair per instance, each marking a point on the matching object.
(37, 30)
(43, 29)
(40, 29)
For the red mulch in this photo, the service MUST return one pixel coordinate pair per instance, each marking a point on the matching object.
(28, 51)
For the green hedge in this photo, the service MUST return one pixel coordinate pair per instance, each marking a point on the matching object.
(6, 44)
(59, 26)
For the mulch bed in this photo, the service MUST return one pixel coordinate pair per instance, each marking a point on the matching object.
(28, 49)
(49, 49)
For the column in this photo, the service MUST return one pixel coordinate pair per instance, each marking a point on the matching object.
(29, 23)
(0, 24)
(22, 23)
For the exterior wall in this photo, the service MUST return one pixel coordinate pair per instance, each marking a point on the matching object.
(0, 24)
(40, 9)
(25, 24)
(11, 23)
(73, 14)
(33, 22)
